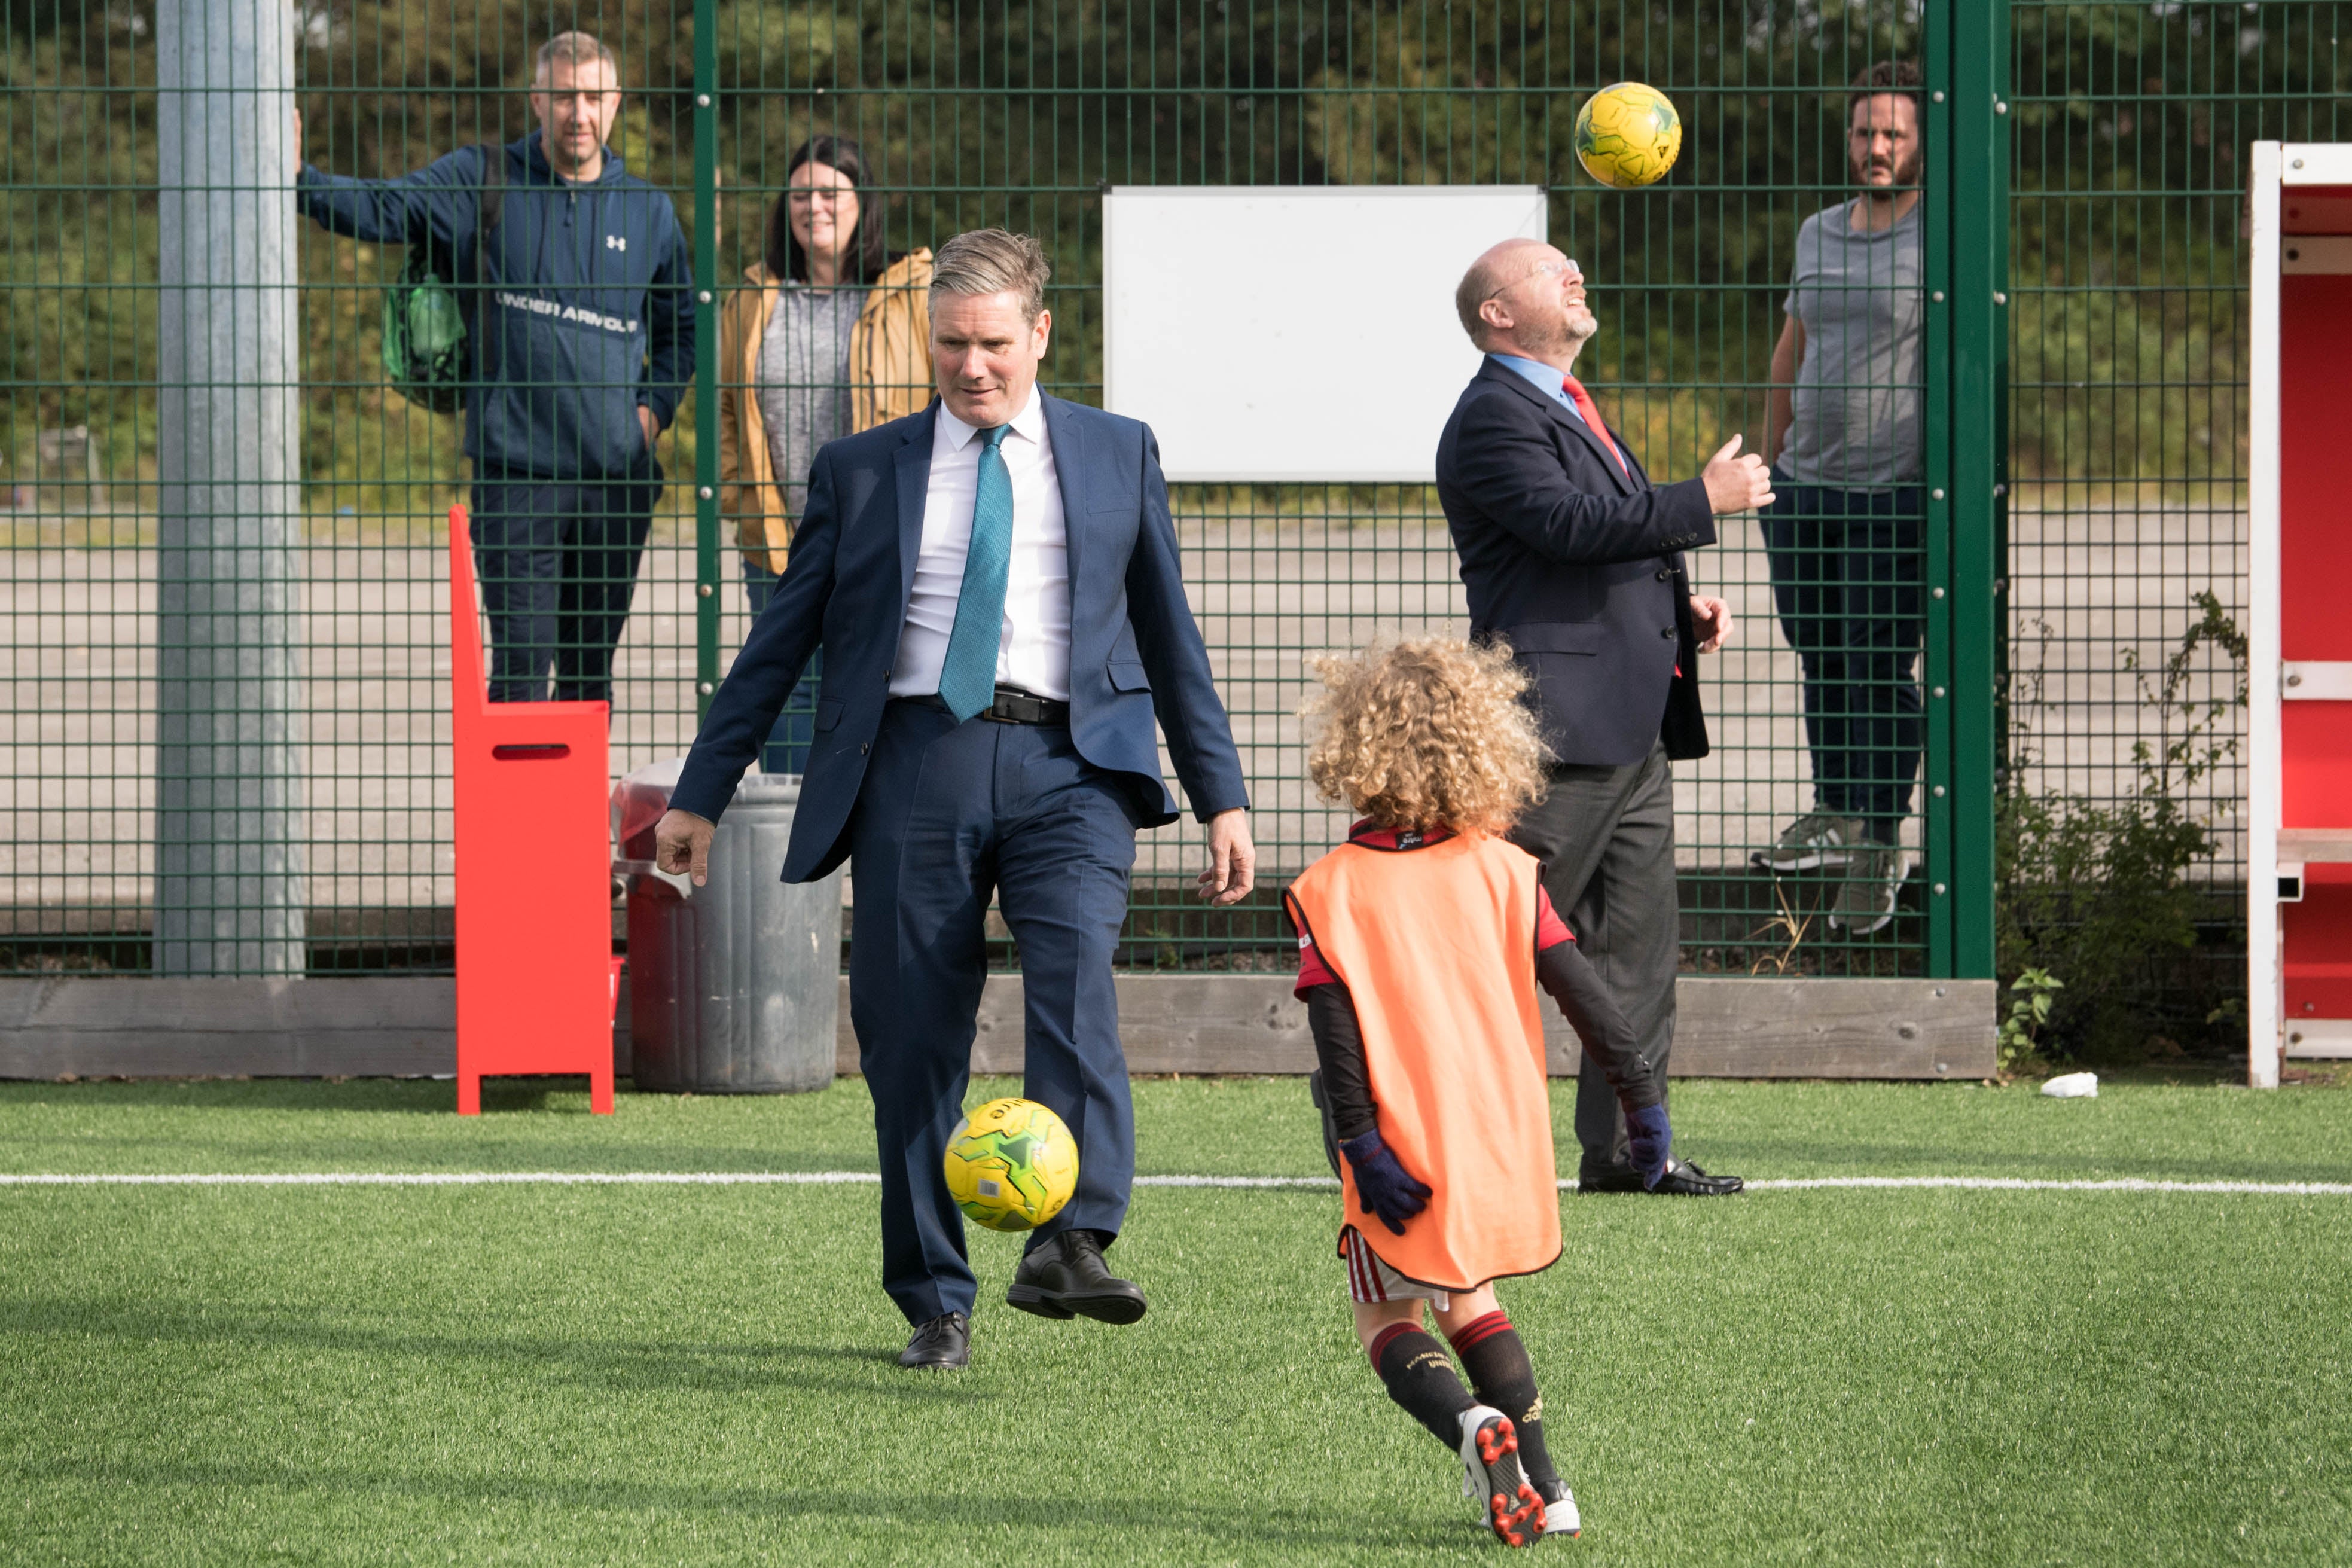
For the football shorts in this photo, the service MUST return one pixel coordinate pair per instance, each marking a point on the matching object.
(1372, 1280)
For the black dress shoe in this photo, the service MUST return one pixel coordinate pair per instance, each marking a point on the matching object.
(1621, 1180)
(944, 1341)
(1684, 1180)
(1065, 1277)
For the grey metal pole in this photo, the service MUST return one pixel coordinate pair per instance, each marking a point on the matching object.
(229, 833)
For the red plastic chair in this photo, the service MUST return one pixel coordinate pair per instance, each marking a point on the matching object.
(537, 980)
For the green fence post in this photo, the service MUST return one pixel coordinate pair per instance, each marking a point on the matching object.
(705, 352)
(1966, 67)
(1936, 209)
(1980, 169)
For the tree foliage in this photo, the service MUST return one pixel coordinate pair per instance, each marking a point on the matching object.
(2130, 128)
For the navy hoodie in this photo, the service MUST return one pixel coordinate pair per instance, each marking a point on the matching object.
(586, 301)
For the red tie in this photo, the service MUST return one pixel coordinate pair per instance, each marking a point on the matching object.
(1583, 401)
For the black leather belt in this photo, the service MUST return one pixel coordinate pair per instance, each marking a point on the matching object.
(1012, 706)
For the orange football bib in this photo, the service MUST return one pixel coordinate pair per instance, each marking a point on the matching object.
(1436, 947)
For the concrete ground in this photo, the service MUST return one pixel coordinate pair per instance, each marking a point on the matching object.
(77, 628)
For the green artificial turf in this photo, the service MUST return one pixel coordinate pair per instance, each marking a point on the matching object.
(675, 1375)
(1261, 1126)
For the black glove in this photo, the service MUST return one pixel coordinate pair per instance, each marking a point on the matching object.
(1649, 1139)
(1384, 1188)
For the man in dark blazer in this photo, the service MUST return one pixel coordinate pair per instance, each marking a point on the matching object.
(995, 584)
(1573, 557)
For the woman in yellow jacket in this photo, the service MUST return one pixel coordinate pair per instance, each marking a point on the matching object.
(832, 337)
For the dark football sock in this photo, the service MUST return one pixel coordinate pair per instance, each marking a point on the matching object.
(1420, 1376)
(1499, 1370)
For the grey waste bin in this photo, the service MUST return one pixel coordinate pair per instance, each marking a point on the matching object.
(734, 990)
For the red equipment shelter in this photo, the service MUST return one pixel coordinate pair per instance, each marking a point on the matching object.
(2299, 556)
(537, 980)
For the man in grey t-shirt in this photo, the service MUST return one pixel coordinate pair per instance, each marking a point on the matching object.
(1842, 434)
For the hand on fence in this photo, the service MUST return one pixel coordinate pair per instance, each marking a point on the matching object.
(296, 172)
(682, 844)
(1710, 622)
(1737, 482)
(1233, 860)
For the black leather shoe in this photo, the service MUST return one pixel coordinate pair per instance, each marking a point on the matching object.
(944, 1341)
(1066, 1277)
(1619, 1180)
(1684, 1180)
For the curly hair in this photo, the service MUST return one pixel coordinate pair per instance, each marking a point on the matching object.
(1427, 734)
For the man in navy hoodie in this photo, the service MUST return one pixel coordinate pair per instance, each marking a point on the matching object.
(578, 296)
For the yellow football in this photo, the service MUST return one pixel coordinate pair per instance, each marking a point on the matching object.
(1012, 1165)
(1628, 135)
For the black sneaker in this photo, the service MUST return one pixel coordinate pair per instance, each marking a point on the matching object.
(1065, 1277)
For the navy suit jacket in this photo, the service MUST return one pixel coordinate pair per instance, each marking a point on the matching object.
(1135, 649)
(1579, 566)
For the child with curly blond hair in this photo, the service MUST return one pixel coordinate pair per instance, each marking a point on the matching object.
(1422, 942)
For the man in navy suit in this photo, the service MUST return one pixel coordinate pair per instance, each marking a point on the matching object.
(995, 583)
(1573, 558)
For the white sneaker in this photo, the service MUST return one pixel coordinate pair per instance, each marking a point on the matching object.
(1560, 1516)
(1492, 1478)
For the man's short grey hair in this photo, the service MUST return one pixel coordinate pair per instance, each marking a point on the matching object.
(992, 261)
(1478, 285)
(574, 49)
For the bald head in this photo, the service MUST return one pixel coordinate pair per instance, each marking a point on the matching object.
(1523, 298)
(1497, 267)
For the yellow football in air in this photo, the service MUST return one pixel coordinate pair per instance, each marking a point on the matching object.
(1628, 135)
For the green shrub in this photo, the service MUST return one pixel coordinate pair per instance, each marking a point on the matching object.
(2097, 892)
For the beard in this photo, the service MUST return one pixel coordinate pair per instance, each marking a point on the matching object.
(1906, 172)
(1571, 329)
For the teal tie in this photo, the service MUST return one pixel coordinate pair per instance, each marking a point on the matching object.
(968, 677)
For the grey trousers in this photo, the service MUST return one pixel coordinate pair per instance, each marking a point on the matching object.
(1606, 836)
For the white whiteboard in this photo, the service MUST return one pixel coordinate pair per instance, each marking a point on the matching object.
(1296, 332)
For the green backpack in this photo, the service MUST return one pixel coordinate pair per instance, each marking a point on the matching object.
(424, 316)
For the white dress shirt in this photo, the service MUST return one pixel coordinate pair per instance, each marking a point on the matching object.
(1034, 651)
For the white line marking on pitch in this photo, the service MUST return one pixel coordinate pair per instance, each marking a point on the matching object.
(2031, 1185)
(867, 1178)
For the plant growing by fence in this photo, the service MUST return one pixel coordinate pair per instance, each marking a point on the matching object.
(2096, 891)
(2036, 991)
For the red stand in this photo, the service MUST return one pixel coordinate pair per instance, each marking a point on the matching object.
(537, 980)
(2299, 553)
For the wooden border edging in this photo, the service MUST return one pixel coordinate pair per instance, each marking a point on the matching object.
(91, 1026)
(1724, 1028)
(365, 1027)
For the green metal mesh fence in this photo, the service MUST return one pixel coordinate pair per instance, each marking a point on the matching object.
(2128, 416)
(2125, 131)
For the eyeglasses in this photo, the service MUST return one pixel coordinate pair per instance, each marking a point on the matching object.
(1541, 270)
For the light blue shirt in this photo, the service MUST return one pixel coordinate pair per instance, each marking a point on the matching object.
(1552, 382)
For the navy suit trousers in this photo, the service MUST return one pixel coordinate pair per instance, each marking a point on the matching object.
(948, 812)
